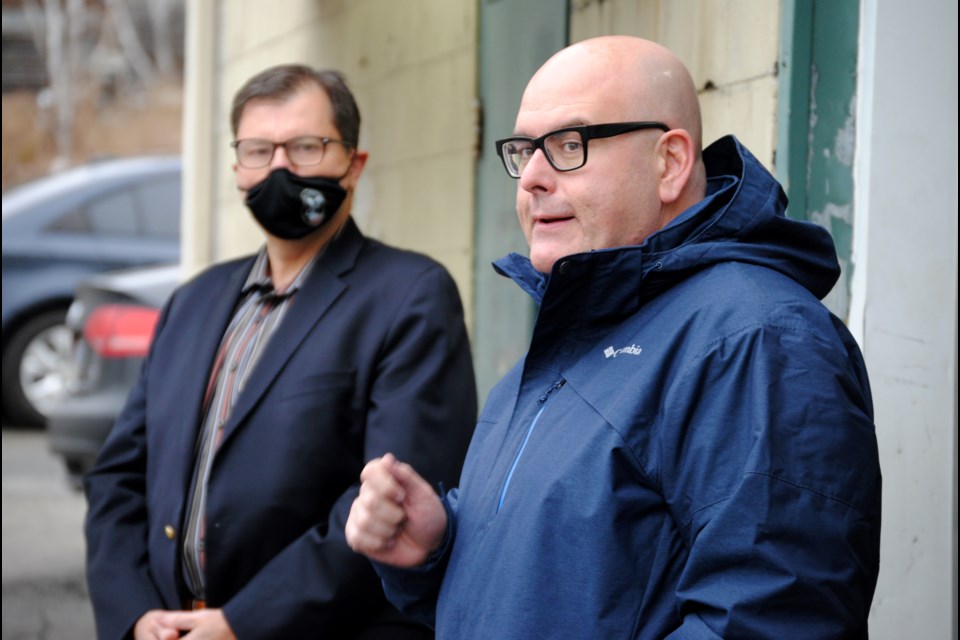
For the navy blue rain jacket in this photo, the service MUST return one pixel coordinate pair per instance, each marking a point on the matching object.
(686, 451)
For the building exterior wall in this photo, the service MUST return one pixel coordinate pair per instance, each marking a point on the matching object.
(730, 47)
(904, 302)
(816, 122)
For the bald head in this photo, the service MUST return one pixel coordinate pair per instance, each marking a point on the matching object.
(631, 183)
(641, 77)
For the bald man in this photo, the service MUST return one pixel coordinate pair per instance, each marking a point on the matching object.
(687, 449)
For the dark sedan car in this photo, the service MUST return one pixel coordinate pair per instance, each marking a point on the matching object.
(56, 231)
(113, 318)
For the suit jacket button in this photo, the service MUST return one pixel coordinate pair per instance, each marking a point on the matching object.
(170, 532)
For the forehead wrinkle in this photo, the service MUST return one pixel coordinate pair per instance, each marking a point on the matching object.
(569, 116)
(572, 90)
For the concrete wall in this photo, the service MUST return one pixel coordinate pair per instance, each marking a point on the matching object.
(904, 303)
(412, 67)
(731, 48)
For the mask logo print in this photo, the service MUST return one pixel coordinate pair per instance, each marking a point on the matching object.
(632, 350)
(313, 206)
(289, 206)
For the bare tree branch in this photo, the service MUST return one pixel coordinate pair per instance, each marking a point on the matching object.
(61, 86)
(160, 24)
(35, 20)
(133, 51)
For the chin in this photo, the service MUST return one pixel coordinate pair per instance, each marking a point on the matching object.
(541, 264)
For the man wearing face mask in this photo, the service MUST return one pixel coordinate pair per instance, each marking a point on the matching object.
(217, 506)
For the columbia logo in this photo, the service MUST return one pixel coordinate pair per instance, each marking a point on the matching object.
(632, 350)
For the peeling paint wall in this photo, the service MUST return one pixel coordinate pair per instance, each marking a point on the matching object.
(829, 185)
(817, 124)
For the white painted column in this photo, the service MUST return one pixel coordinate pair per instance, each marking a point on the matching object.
(196, 241)
(904, 302)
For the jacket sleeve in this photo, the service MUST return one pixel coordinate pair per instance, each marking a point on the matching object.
(415, 590)
(118, 575)
(769, 465)
(421, 407)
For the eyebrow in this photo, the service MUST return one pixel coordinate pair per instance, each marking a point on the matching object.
(579, 122)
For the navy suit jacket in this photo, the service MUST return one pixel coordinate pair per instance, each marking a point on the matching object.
(372, 357)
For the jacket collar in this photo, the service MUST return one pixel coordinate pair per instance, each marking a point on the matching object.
(741, 219)
(318, 293)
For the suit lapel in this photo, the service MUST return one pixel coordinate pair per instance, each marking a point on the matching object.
(315, 298)
(202, 351)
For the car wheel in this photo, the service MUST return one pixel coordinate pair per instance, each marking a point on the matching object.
(35, 365)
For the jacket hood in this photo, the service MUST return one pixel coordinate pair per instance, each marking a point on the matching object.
(742, 219)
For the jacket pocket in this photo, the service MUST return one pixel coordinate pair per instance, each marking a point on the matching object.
(325, 382)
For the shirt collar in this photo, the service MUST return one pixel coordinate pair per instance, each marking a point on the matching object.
(259, 279)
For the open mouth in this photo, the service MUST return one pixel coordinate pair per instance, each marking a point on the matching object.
(552, 221)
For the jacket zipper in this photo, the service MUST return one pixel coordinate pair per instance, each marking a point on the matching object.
(542, 401)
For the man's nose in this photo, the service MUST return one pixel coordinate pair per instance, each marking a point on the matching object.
(280, 158)
(537, 173)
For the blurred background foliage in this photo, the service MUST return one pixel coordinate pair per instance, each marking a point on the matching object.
(89, 79)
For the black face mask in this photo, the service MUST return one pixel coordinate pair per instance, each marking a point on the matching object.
(290, 206)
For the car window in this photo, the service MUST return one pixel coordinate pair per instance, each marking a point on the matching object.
(149, 208)
(114, 214)
(74, 221)
(159, 202)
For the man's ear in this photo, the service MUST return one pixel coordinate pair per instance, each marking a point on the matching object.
(677, 159)
(357, 163)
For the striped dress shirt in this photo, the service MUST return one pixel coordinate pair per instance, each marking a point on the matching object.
(259, 312)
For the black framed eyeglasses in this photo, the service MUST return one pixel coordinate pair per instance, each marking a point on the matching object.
(565, 149)
(303, 151)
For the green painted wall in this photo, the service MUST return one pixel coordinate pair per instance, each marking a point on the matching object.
(817, 123)
(516, 37)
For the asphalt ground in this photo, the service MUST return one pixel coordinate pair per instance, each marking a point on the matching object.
(44, 592)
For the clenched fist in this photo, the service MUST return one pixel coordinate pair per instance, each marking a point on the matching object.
(398, 518)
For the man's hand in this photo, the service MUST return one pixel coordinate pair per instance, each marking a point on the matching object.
(398, 518)
(150, 627)
(167, 625)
